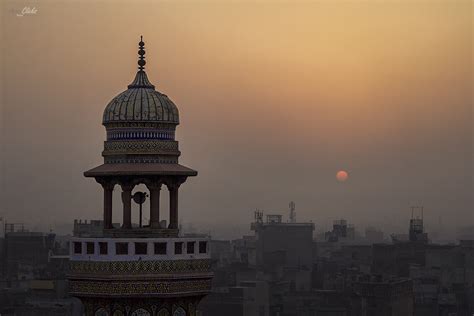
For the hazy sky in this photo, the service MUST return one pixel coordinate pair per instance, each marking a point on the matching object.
(274, 99)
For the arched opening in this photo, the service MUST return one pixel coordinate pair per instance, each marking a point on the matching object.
(163, 312)
(141, 312)
(144, 202)
(101, 312)
(179, 312)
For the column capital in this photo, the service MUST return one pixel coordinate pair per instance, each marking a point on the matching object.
(154, 185)
(127, 186)
(106, 183)
(174, 182)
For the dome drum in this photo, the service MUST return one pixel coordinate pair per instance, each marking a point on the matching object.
(141, 151)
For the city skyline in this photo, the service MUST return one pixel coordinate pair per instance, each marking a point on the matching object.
(276, 98)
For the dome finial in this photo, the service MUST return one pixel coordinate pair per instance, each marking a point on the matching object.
(141, 53)
(141, 80)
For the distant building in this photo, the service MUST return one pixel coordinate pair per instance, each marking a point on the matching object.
(27, 253)
(417, 231)
(221, 252)
(393, 297)
(283, 244)
(340, 231)
(87, 229)
(244, 250)
(445, 283)
(465, 233)
(315, 302)
(2, 248)
(374, 235)
(396, 259)
(38, 297)
(2, 227)
(249, 298)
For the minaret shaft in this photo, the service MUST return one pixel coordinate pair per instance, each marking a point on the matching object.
(150, 269)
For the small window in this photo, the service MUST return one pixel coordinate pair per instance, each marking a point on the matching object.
(78, 248)
(121, 248)
(90, 248)
(202, 246)
(140, 248)
(103, 248)
(178, 248)
(190, 247)
(160, 248)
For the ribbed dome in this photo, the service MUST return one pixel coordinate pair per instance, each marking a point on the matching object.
(141, 103)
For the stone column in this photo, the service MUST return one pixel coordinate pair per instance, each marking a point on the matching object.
(127, 205)
(173, 206)
(108, 191)
(154, 188)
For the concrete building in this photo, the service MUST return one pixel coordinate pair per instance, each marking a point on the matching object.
(249, 298)
(396, 259)
(445, 283)
(26, 254)
(316, 302)
(374, 235)
(393, 297)
(89, 228)
(2, 248)
(281, 244)
(341, 231)
(38, 297)
(221, 252)
(244, 250)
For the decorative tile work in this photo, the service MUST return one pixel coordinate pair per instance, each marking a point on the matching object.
(139, 146)
(91, 288)
(141, 159)
(140, 267)
(127, 306)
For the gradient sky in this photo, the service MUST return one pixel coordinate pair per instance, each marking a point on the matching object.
(275, 98)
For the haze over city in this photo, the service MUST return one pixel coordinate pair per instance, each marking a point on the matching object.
(275, 99)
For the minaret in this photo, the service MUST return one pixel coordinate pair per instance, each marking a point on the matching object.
(143, 270)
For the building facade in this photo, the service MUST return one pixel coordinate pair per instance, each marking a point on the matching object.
(146, 269)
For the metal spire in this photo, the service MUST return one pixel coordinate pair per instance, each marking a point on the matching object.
(141, 79)
(141, 52)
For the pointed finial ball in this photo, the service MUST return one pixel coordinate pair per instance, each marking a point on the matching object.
(141, 41)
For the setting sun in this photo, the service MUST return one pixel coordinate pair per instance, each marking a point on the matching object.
(342, 176)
